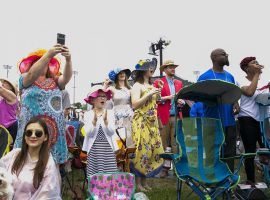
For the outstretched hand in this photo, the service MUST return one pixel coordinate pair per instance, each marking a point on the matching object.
(55, 50)
(66, 53)
(106, 83)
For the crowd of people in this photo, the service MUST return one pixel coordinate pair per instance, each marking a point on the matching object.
(36, 115)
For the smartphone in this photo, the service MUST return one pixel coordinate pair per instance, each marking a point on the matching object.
(61, 38)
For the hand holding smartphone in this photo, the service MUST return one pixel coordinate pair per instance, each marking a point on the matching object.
(61, 38)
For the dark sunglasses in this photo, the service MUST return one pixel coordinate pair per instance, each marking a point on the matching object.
(29, 133)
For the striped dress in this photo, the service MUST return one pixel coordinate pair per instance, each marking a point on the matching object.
(101, 158)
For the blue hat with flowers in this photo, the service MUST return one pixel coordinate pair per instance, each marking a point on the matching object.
(113, 73)
(144, 65)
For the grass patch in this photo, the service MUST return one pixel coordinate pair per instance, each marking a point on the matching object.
(162, 189)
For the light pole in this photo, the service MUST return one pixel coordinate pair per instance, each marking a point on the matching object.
(197, 74)
(74, 85)
(158, 46)
(7, 67)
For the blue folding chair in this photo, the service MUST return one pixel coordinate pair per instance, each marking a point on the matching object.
(198, 163)
(264, 102)
(200, 141)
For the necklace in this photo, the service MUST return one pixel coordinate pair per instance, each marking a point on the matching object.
(214, 73)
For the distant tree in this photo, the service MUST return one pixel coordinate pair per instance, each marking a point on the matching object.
(84, 107)
(78, 105)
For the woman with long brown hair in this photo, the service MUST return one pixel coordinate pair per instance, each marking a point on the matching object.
(145, 133)
(34, 172)
(123, 112)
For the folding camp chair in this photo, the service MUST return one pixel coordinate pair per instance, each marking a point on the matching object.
(74, 160)
(198, 164)
(264, 154)
(5, 141)
(200, 140)
(124, 154)
(113, 186)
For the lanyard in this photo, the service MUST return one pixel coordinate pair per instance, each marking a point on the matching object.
(214, 73)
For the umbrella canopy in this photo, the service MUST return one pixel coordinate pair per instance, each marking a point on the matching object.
(211, 92)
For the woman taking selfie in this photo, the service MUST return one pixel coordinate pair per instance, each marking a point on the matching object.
(41, 84)
(34, 172)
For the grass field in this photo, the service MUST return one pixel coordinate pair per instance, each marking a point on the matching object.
(162, 189)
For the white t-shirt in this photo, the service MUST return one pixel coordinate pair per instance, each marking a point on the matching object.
(249, 107)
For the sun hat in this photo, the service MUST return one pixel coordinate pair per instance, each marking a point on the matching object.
(166, 64)
(26, 63)
(144, 65)
(94, 93)
(11, 84)
(113, 73)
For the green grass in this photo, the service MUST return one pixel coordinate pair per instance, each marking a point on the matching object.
(162, 189)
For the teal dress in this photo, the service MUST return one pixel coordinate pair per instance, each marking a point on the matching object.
(44, 99)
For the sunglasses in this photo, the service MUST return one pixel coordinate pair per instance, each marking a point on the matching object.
(29, 133)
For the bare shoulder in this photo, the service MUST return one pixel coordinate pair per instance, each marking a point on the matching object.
(137, 86)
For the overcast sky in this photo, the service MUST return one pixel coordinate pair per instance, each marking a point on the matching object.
(103, 35)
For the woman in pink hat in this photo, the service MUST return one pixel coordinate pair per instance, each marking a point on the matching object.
(8, 107)
(40, 85)
(99, 128)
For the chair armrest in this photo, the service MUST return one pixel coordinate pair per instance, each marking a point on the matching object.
(263, 151)
(264, 156)
(169, 156)
(242, 158)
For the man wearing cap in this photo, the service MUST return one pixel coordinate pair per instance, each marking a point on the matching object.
(166, 109)
(8, 107)
(227, 111)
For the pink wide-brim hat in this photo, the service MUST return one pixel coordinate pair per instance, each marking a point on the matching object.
(94, 93)
(26, 63)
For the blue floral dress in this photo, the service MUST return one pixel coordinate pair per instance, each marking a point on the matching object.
(44, 99)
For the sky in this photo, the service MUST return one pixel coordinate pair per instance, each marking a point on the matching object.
(103, 35)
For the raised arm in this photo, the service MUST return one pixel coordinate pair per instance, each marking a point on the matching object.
(67, 73)
(8, 95)
(40, 66)
(251, 88)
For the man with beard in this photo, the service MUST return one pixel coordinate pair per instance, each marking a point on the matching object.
(226, 111)
(166, 109)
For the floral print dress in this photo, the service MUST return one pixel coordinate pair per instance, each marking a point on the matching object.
(44, 99)
(123, 112)
(147, 140)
